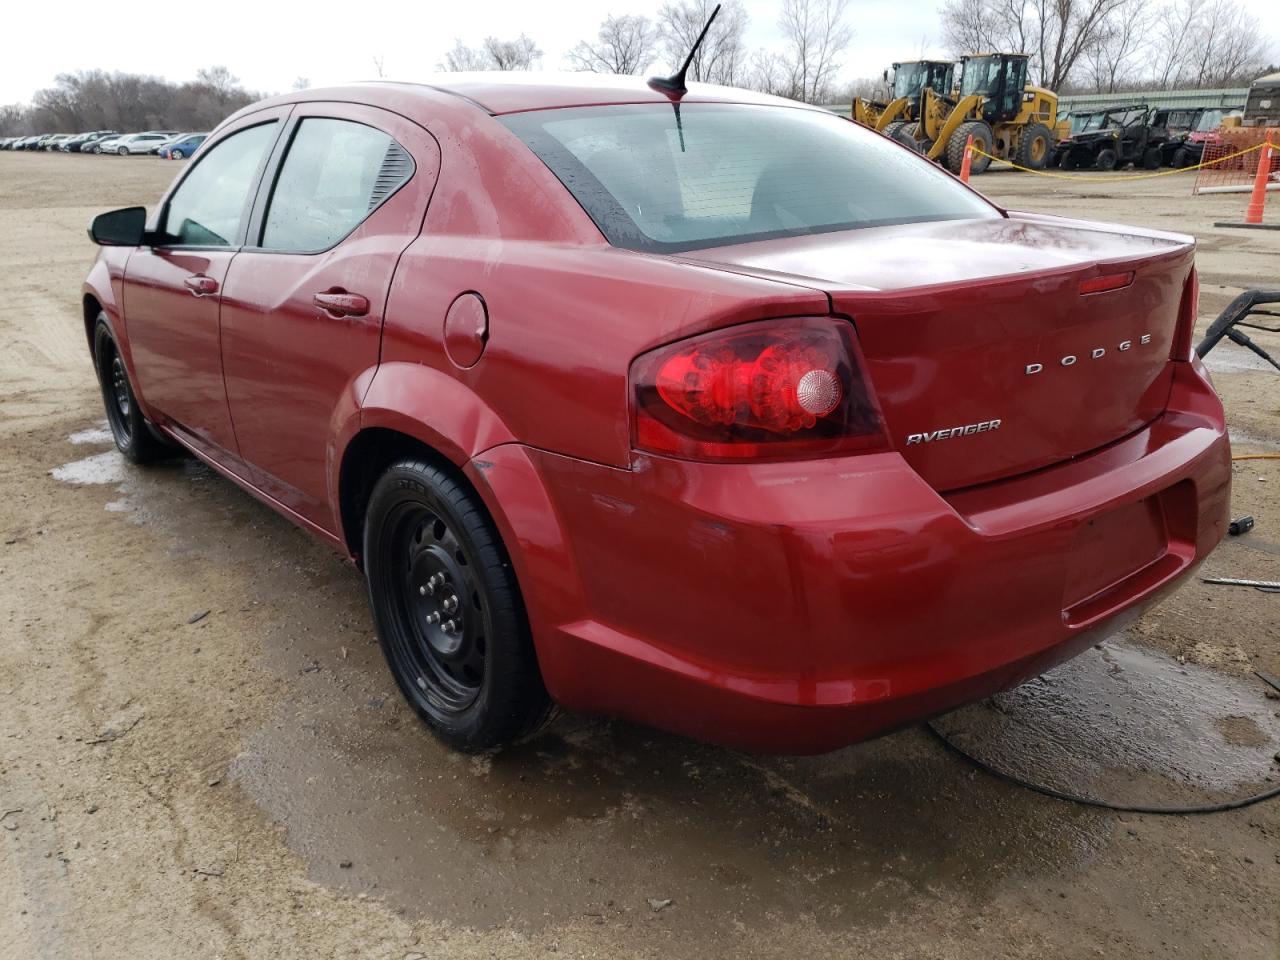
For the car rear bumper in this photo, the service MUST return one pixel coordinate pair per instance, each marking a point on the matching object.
(799, 607)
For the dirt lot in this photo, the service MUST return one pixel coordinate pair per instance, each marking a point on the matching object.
(202, 754)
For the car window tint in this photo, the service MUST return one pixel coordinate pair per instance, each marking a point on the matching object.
(712, 174)
(208, 205)
(335, 174)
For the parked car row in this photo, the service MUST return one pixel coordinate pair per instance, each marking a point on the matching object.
(169, 144)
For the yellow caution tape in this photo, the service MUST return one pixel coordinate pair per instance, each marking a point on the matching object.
(1127, 178)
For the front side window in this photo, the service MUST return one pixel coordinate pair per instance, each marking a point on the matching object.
(714, 174)
(335, 174)
(210, 203)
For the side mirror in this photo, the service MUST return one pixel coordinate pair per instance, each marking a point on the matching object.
(119, 228)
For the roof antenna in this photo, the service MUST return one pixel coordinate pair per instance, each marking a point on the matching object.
(673, 86)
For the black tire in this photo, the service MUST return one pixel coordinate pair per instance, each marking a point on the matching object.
(132, 433)
(904, 134)
(1181, 158)
(175, 154)
(983, 139)
(1068, 162)
(433, 557)
(1106, 159)
(1151, 158)
(1035, 147)
(891, 130)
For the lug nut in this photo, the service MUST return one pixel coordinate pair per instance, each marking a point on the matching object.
(433, 617)
(448, 626)
(451, 603)
(422, 591)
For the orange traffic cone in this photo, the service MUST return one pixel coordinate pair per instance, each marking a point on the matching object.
(1259, 198)
(967, 161)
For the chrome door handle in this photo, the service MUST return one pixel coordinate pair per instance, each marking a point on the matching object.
(200, 285)
(339, 303)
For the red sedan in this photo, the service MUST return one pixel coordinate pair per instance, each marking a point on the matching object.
(715, 411)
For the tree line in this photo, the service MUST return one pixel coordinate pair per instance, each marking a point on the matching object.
(97, 100)
(1104, 46)
(1075, 45)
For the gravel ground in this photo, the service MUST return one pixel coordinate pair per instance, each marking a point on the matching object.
(202, 755)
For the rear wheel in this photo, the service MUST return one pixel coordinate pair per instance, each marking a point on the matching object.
(448, 610)
(982, 140)
(1151, 158)
(904, 133)
(129, 427)
(1181, 158)
(1035, 147)
(1106, 159)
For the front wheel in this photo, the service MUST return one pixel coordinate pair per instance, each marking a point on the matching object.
(448, 610)
(983, 139)
(129, 427)
(175, 154)
(1106, 159)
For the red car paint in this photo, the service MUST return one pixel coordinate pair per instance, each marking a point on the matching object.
(788, 605)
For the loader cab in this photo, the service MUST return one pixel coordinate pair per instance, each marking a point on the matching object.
(910, 79)
(1000, 79)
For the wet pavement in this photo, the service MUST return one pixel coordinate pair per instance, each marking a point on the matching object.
(1131, 727)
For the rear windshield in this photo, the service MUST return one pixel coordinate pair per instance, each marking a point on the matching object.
(656, 180)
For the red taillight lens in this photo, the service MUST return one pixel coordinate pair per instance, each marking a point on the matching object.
(1188, 313)
(1108, 281)
(777, 388)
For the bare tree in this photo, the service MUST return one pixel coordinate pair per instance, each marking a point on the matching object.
(518, 54)
(1175, 32)
(15, 118)
(767, 72)
(462, 59)
(1057, 33)
(624, 44)
(1228, 45)
(301, 83)
(816, 36)
(1126, 39)
(378, 61)
(96, 100)
(722, 58)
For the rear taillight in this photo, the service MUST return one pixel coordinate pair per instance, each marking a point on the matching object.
(1188, 312)
(766, 390)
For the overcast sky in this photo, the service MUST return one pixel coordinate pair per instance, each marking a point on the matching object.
(267, 44)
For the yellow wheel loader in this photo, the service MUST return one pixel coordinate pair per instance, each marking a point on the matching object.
(1006, 117)
(910, 80)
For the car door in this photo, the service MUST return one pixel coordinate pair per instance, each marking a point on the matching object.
(172, 288)
(302, 306)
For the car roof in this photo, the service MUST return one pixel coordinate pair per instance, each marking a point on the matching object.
(514, 92)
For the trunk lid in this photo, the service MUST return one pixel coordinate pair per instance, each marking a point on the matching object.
(986, 357)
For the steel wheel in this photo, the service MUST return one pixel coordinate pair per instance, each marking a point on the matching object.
(448, 609)
(115, 383)
(442, 618)
(129, 428)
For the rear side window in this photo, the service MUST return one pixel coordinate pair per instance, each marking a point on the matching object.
(210, 203)
(335, 174)
(713, 174)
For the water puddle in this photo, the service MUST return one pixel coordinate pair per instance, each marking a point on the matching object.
(98, 435)
(1129, 726)
(101, 468)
